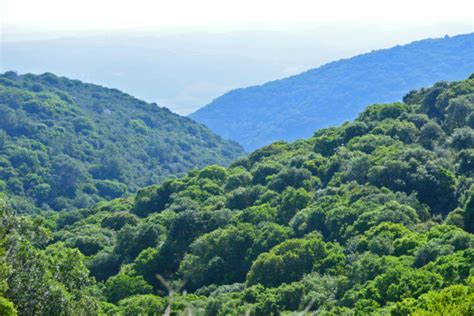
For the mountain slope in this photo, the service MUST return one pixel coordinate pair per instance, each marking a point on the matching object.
(294, 107)
(64, 143)
(375, 216)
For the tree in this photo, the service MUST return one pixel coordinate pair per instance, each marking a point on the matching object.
(131, 240)
(327, 141)
(452, 300)
(465, 159)
(117, 221)
(142, 305)
(6, 306)
(219, 257)
(110, 189)
(393, 212)
(292, 201)
(469, 213)
(262, 171)
(428, 102)
(153, 198)
(67, 175)
(242, 197)
(48, 282)
(286, 262)
(291, 177)
(3, 138)
(430, 132)
(399, 130)
(122, 286)
(395, 284)
(457, 112)
(463, 138)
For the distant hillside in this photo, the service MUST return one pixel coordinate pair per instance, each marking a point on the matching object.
(64, 143)
(294, 107)
(185, 70)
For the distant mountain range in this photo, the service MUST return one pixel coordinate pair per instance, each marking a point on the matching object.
(179, 71)
(294, 107)
(67, 144)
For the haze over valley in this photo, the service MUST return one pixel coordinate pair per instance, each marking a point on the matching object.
(185, 69)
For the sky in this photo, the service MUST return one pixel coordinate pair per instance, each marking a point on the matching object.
(195, 50)
(86, 15)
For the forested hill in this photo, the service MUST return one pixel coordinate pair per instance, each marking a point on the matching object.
(294, 107)
(375, 216)
(67, 144)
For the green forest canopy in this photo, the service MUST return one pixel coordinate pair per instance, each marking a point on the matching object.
(373, 216)
(65, 144)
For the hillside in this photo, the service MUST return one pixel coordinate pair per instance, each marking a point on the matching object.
(375, 216)
(294, 107)
(67, 144)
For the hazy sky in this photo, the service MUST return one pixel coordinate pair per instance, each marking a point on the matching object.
(82, 15)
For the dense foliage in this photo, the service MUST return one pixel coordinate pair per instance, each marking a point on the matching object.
(66, 144)
(371, 217)
(294, 107)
